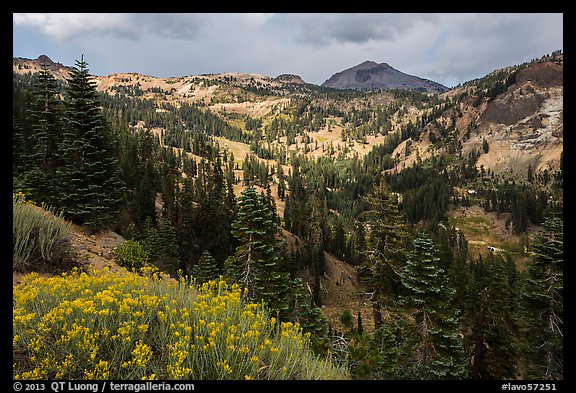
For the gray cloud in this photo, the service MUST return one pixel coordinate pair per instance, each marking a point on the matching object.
(327, 29)
(65, 27)
(179, 26)
(69, 26)
(446, 48)
(473, 45)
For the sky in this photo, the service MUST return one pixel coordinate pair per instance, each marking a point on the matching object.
(446, 48)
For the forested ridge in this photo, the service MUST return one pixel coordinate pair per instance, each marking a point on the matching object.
(372, 178)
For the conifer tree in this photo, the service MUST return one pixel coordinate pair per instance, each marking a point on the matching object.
(167, 252)
(21, 134)
(281, 182)
(132, 232)
(439, 352)
(169, 175)
(147, 181)
(316, 242)
(310, 318)
(150, 239)
(215, 211)
(387, 349)
(255, 262)
(339, 239)
(92, 191)
(19, 153)
(360, 324)
(205, 269)
(185, 222)
(542, 303)
(357, 245)
(494, 346)
(386, 252)
(270, 201)
(46, 119)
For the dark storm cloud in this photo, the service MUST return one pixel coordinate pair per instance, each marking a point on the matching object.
(65, 27)
(325, 29)
(179, 26)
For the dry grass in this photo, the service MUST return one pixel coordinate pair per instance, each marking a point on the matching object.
(254, 109)
(41, 237)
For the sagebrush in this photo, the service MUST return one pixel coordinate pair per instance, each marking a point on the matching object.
(40, 237)
(130, 326)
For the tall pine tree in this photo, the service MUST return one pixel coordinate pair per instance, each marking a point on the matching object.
(147, 182)
(255, 262)
(543, 307)
(92, 191)
(493, 343)
(316, 242)
(386, 252)
(46, 118)
(439, 352)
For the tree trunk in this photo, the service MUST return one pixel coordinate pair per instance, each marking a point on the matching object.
(377, 314)
(478, 351)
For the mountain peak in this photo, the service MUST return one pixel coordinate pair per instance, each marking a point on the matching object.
(43, 62)
(290, 78)
(43, 59)
(368, 63)
(371, 75)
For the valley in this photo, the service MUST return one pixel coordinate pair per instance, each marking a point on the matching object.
(319, 199)
(532, 138)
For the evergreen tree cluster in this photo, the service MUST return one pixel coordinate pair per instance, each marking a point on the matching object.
(72, 160)
(444, 317)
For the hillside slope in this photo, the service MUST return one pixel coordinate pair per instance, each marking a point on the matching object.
(341, 288)
(523, 124)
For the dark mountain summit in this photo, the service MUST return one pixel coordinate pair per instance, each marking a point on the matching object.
(371, 75)
(290, 78)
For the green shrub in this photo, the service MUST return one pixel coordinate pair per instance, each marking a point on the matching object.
(40, 238)
(347, 320)
(129, 326)
(131, 255)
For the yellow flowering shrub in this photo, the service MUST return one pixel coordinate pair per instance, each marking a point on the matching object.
(101, 325)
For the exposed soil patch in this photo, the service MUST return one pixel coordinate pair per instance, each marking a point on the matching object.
(340, 288)
(97, 250)
(546, 74)
(93, 251)
(514, 107)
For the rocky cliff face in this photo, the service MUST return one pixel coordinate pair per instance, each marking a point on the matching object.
(523, 126)
(371, 75)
